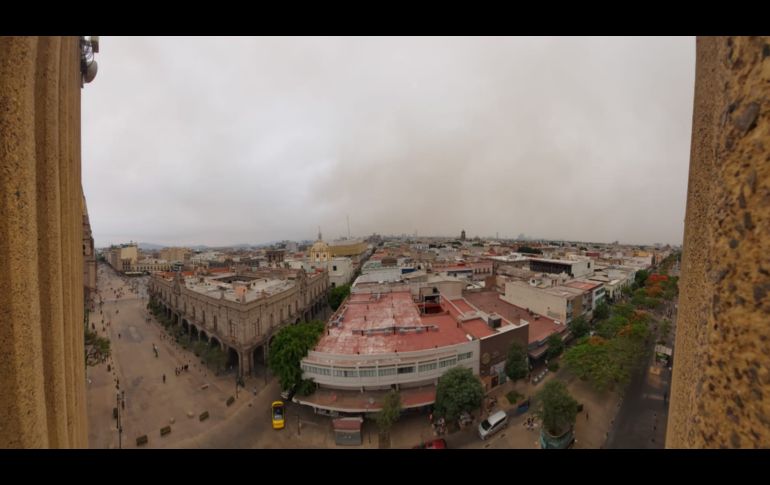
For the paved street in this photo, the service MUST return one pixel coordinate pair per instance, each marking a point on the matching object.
(643, 417)
(150, 403)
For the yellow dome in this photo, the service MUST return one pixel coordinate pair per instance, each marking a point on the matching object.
(319, 247)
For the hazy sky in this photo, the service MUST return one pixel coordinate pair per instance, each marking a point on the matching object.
(246, 140)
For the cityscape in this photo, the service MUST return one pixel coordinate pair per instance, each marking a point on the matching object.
(411, 283)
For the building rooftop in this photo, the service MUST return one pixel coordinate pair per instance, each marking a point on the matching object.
(558, 261)
(372, 323)
(583, 285)
(540, 327)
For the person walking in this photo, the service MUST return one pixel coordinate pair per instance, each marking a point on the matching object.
(164, 378)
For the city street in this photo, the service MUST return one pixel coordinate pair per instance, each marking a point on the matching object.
(643, 417)
(136, 372)
(151, 404)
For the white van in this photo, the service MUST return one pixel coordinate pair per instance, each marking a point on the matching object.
(493, 424)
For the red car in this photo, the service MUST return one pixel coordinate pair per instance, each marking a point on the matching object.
(439, 444)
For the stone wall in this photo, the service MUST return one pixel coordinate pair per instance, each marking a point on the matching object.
(720, 394)
(42, 363)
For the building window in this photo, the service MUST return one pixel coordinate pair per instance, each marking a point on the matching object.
(447, 363)
(406, 370)
(465, 356)
(428, 366)
(387, 371)
(334, 268)
(367, 372)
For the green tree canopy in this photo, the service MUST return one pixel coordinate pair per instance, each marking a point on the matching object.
(579, 327)
(555, 346)
(458, 391)
(527, 249)
(517, 363)
(602, 311)
(337, 296)
(390, 412)
(641, 277)
(610, 327)
(97, 348)
(623, 309)
(289, 347)
(556, 408)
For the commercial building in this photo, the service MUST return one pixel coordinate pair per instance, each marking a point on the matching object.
(122, 258)
(402, 336)
(89, 258)
(562, 303)
(574, 268)
(240, 311)
(174, 255)
(594, 293)
(539, 327)
(150, 265)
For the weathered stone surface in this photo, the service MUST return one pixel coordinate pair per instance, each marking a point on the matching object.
(42, 372)
(722, 329)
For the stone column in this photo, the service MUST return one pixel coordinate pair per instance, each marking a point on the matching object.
(720, 394)
(42, 366)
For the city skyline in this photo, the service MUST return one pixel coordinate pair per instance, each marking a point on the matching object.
(242, 140)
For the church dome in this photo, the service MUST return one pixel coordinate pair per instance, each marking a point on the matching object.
(319, 247)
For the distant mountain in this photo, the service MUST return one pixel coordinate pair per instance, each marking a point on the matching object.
(150, 246)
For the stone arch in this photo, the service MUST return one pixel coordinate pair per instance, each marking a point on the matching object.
(204, 336)
(213, 341)
(232, 360)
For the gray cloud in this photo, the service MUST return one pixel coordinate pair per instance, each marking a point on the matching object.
(230, 140)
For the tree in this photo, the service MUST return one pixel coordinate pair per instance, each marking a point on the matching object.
(579, 327)
(290, 345)
(609, 328)
(458, 391)
(640, 277)
(337, 296)
(555, 346)
(602, 311)
(97, 348)
(215, 357)
(529, 250)
(556, 408)
(390, 412)
(517, 364)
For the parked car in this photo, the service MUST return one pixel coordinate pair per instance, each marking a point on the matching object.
(278, 414)
(438, 444)
(493, 424)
